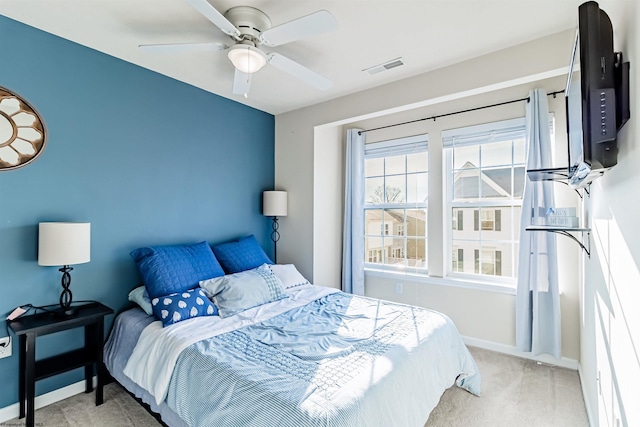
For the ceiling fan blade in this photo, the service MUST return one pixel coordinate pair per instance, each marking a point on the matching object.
(299, 71)
(241, 83)
(212, 14)
(317, 23)
(182, 47)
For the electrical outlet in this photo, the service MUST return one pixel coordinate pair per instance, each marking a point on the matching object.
(399, 288)
(5, 347)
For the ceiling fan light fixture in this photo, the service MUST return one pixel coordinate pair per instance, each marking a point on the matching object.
(247, 58)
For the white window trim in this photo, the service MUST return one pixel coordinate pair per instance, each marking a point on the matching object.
(473, 283)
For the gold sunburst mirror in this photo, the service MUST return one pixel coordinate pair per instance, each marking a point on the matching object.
(22, 133)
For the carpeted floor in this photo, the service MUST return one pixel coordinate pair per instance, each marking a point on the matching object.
(515, 392)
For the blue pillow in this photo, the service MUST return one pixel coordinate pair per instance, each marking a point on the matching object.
(240, 255)
(169, 269)
(174, 308)
(237, 292)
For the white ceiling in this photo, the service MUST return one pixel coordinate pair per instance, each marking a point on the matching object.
(427, 34)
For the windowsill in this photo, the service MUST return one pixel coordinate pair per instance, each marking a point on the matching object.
(478, 285)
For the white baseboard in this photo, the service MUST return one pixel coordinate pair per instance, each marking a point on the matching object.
(513, 351)
(587, 404)
(12, 411)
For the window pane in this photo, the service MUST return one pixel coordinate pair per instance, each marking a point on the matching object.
(374, 167)
(505, 260)
(465, 222)
(496, 154)
(513, 217)
(417, 162)
(395, 165)
(464, 155)
(373, 250)
(374, 190)
(373, 222)
(417, 253)
(394, 222)
(496, 183)
(394, 251)
(416, 222)
(487, 219)
(518, 151)
(466, 184)
(417, 187)
(487, 262)
(476, 261)
(395, 190)
(457, 260)
(519, 178)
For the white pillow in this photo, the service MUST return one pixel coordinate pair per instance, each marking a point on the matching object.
(288, 275)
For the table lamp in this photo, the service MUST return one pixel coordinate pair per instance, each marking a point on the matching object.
(274, 204)
(64, 244)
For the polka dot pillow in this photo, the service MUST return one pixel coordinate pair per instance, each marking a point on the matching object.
(179, 306)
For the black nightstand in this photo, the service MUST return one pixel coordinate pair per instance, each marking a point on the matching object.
(91, 316)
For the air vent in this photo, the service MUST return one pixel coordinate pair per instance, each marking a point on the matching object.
(386, 66)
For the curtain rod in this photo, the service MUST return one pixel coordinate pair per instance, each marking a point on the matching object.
(457, 112)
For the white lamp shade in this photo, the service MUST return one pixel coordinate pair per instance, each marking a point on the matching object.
(247, 59)
(274, 203)
(64, 243)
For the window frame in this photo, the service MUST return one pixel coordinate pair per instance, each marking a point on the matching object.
(389, 148)
(439, 201)
(509, 128)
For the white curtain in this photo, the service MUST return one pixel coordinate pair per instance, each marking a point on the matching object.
(537, 300)
(352, 238)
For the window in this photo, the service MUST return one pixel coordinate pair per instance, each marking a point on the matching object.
(458, 259)
(489, 220)
(489, 263)
(458, 219)
(485, 175)
(395, 209)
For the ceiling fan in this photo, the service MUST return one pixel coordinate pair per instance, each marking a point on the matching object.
(250, 28)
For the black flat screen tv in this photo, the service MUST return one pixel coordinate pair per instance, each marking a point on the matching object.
(597, 97)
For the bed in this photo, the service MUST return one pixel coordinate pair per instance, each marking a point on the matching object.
(308, 356)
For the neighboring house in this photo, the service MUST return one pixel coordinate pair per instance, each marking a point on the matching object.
(389, 240)
(495, 248)
(390, 248)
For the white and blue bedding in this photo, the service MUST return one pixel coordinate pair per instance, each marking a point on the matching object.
(318, 358)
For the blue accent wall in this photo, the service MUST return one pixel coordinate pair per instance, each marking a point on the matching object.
(147, 160)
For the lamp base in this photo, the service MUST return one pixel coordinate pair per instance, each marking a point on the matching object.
(275, 236)
(64, 312)
(66, 296)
